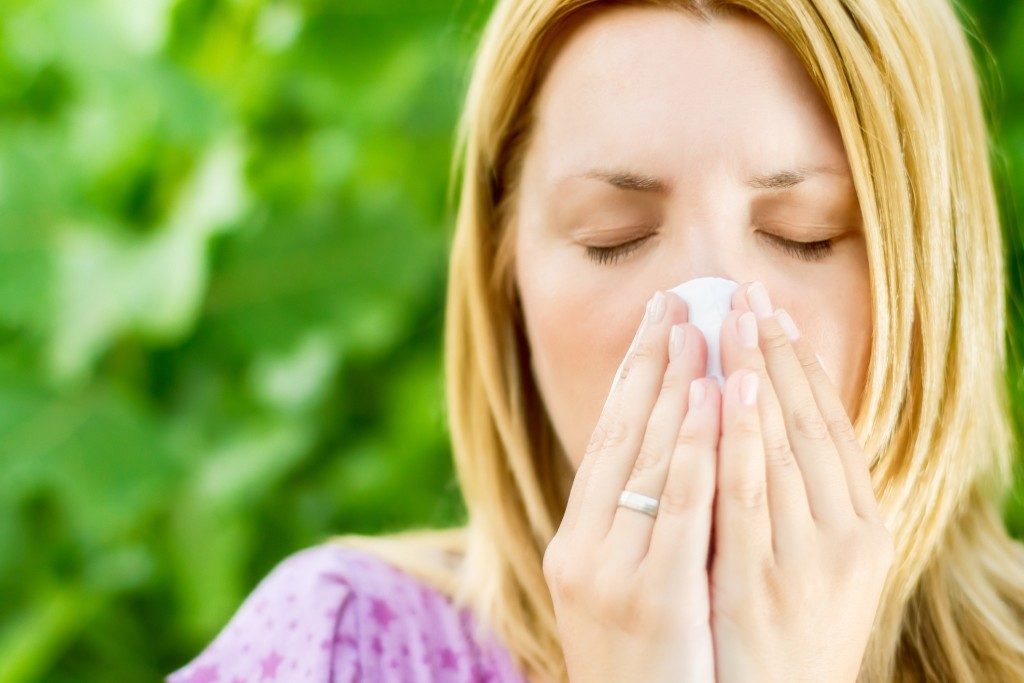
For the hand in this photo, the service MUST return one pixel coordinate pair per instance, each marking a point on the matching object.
(630, 591)
(801, 553)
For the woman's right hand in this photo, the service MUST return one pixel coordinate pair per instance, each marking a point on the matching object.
(630, 591)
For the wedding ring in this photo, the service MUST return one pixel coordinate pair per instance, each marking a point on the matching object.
(639, 502)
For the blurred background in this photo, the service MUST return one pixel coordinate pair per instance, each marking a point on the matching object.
(223, 243)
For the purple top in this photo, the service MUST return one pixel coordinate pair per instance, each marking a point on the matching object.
(330, 613)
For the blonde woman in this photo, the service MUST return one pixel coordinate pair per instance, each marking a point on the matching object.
(831, 512)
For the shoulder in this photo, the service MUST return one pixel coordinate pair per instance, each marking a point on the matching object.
(284, 628)
(331, 612)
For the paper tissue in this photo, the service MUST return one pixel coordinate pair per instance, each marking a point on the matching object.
(709, 300)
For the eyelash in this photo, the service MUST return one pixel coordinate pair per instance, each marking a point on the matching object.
(605, 255)
(808, 251)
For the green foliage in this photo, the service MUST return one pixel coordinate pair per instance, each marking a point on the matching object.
(223, 242)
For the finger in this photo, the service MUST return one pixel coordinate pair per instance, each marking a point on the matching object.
(630, 534)
(681, 534)
(787, 495)
(743, 528)
(844, 436)
(616, 438)
(738, 301)
(828, 494)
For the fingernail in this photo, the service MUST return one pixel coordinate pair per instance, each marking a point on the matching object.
(757, 296)
(748, 389)
(676, 341)
(787, 324)
(656, 307)
(697, 393)
(748, 330)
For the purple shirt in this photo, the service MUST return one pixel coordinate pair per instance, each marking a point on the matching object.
(330, 613)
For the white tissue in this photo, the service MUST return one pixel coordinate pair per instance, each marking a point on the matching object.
(709, 300)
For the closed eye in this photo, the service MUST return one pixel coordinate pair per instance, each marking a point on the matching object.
(606, 255)
(808, 251)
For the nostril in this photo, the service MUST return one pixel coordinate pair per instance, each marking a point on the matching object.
(709, 300)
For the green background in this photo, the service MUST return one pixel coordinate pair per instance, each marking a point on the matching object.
(223, 244)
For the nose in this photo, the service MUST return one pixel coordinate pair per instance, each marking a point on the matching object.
(708, 300)
(705, 238)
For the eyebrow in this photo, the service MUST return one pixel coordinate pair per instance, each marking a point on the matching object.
(776, 180)
(781, 180)
(627, 180)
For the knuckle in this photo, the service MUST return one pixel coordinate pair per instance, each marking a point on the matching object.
(746, 425)
(643, 352)
(645, 617)
(874, 516)
(562, 578)
(616, 433)
(647, 458)
(624, 604)
(680, 501)
(674, 382)
(843, 430)
(865, 551)
(847, 535)
(882, 543)
(597, 437)
(808, 422)
(551, 564)
(609, 433)
(624, 371)
(807, 359)
(596, 440)
(774, 337)
(552, 559)
(750, 494)
(691, 437)
(777, 452)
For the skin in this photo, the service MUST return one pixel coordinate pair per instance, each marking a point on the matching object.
(768, 527)
(703, 107)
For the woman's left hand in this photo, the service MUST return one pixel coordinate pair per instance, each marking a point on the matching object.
(800, 550)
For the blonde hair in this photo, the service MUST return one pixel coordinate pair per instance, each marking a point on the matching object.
(899, 78)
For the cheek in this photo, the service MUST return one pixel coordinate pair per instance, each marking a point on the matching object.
(577, 341)
(839, 330)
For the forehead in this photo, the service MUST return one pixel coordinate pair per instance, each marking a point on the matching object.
(660, 88)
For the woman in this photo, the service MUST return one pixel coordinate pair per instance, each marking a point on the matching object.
(831, 156)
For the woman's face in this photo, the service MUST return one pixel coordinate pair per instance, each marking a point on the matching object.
(655, 129)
